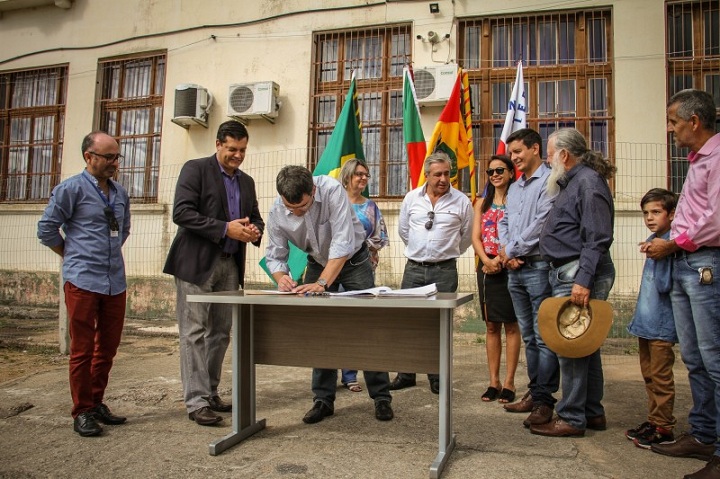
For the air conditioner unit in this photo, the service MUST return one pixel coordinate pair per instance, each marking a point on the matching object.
(254, 100)
(433, 84)
(192, 104)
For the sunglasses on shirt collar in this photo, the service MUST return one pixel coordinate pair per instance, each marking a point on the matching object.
(429, 223)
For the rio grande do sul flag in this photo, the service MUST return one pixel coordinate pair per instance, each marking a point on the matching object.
(516, 117)
(450, 134)
(412, 130)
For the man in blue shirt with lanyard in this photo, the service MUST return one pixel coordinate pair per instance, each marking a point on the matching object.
(94, 213)
(526, 210)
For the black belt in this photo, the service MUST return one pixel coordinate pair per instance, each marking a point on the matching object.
(427, 264)
(225, 255)
(562, 262)
(533, 258)
(684, 253)
(357, 256)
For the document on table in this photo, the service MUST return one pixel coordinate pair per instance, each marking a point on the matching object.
(249, 292)
(384, 291)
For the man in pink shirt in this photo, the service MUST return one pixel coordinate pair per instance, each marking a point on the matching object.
(695, 243)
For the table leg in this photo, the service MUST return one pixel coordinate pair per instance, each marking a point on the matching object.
(446, 439)
(244, 424)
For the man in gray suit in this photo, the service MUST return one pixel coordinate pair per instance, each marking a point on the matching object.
(217, 214)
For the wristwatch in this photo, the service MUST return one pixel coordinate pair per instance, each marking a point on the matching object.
(322, 282)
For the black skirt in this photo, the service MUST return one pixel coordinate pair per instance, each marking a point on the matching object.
(495, 302)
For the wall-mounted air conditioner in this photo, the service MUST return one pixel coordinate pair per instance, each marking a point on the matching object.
(254, 100)
(433, 84)
(192, 105)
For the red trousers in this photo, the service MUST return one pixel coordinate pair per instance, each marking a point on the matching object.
(96, 323)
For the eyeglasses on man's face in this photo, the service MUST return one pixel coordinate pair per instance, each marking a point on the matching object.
(108, 157)
(429, 223)
(495, 171)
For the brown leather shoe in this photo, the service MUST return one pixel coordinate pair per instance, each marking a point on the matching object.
(597, 423)
(541, 414)
(205, 417)
(710, 471)
(524, 405)
(557, 428)
(217, 404)
(685, 446)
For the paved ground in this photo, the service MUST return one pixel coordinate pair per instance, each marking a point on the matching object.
(160, 441)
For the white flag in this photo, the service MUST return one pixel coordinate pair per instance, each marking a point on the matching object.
(516, 117)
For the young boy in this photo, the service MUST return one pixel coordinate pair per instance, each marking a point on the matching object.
(654, 325)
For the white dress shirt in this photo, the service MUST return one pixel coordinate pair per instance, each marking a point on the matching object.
(451, 232)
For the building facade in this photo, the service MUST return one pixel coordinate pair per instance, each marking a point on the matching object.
(161, 76)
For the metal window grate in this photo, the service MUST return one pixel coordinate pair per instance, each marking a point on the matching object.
(32, 114)
(377, 55)
(567, 61)
(130, 109)
(693, 61)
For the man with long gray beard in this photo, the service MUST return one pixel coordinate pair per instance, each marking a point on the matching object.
(576, 241)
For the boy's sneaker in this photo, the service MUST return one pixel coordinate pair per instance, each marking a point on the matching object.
(659, 436)
(641, 430)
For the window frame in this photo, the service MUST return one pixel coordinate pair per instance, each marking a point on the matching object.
(483, 76)
(141, 150)
(690, 70)
(38, 185)
(328, 88)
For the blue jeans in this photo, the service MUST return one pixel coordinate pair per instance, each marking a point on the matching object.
(445, 277)
(348, 376)
(528, 287)
(582, 378)
(696, 308)
(356, 274)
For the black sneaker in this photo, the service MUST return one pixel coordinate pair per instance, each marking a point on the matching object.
(660, 435)
(641, 430)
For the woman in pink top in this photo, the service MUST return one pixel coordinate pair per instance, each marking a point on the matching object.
(495, 302)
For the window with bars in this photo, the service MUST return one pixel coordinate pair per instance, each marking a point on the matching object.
(130, 109)
(32, 114)
(567, 67)
(693, 61)
(377, 56)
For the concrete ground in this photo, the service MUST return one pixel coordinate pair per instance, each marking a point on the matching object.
(159, 441)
